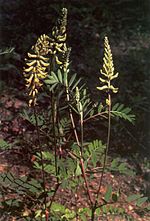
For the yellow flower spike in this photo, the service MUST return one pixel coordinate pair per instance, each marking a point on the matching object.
(57, 41)
(66, 57)
(37, 63)
(108, 69)
(37, 66)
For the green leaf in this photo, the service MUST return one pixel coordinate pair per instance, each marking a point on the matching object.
(69, 214)
(98, 211)
(72, 79)
(141, 201)
(105, 209)
(78, 170)
(115, 107)
(83, 217)
(49, 169)
(50, 81)
(120, 107)
(133, 197)
(54, 76)
(114, 164)
(120, 111)
(76, 83)
(57, 207)
(47, 155)
(53, 86)
(100, 107)
(94, 158)
(108, 193)
(59, 75)
(4, 145)
(122, 167)
(35, 183)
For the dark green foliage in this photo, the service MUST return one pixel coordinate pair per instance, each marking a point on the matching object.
(120, 111)
(4, 145)
(123, 168)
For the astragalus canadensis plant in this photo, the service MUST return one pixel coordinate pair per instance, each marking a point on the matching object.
(62, 155)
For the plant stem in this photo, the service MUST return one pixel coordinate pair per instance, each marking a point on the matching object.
(41, 156)
(106, 151)
(96, 115)
(54, 109)
(53, 197)
(78, 143)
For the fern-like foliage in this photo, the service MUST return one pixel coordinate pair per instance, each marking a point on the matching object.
(6, 51)
(119, 110)
(31, 118)
(94, 152)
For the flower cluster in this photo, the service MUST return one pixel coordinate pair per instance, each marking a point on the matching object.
(38, 63)
(36, 70)
(57, 45)
(108, 69)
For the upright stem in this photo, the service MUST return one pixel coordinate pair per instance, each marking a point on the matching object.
(106, 151)
(42, 160)
(53, 197)
(78, 143)
(81, 125)
(54, 113)
(70, 113)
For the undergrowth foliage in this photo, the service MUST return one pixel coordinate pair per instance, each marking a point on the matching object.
(62, 156)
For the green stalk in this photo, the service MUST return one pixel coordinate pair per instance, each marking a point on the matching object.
(53, 197)
(78, 143)
(42, 160)
(54, 115)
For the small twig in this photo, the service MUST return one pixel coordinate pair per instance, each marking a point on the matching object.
(96, 115)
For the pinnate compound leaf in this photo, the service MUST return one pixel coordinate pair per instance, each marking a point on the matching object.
(120, 111)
